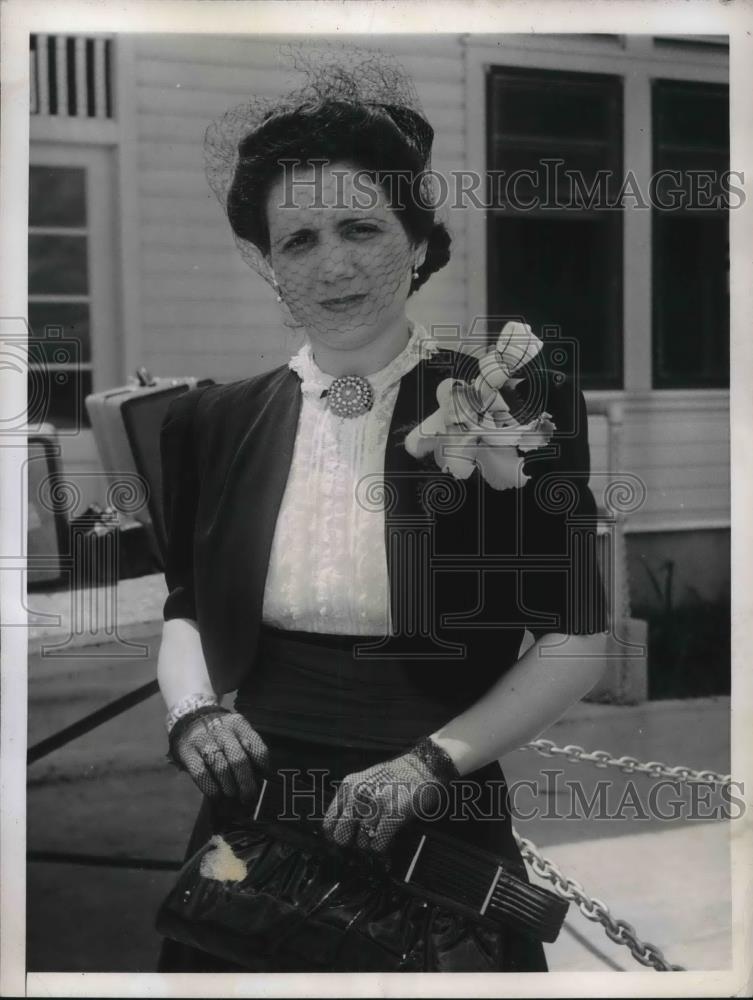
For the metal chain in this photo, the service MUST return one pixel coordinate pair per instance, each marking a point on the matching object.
(594, 909)
(629, 765)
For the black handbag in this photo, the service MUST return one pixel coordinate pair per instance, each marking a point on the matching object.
(271, 895)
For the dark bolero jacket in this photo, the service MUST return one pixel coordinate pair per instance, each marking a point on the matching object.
(470, 567)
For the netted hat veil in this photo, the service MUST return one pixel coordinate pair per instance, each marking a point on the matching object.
(339, 86)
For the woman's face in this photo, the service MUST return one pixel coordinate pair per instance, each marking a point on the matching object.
(340, 255)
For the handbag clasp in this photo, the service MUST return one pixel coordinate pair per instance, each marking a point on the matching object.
(412, 865)
(490, 893)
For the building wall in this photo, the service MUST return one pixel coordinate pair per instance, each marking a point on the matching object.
(190, 305)
(202, 308)
(204, 312)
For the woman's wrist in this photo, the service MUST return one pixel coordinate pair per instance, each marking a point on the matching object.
(188, 705)
(436, 759)
(459, 752)
(184, 723)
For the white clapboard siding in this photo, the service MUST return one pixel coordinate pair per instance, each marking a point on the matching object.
(182, 234)
(197, 339)
(180, 180)
(188, 130)
(193, 98)
(170, 71)
(215, 255)
(243, 364)
(426, 58)
(193, 283)
(177, 129)
(176, 211)
(223, 261)
(181, 313)
(679, 452)
(684, 453)
(170, 152)
(193, 102)
(192, 286)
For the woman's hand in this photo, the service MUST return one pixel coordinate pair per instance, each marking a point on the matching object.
(222, 753)
(371, 806)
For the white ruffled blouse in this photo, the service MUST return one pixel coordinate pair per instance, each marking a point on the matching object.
(328, 566)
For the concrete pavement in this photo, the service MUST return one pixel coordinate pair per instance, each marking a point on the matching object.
(673, 886)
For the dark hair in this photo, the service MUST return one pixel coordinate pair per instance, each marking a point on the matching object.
(392, 144)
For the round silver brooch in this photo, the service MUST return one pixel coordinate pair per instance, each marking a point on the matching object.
(350, 396)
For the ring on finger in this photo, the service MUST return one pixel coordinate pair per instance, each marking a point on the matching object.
(213, 755)
(371, 827)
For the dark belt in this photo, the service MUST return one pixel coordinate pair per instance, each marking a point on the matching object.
(433, 865)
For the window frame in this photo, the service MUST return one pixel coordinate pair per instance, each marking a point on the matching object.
(105, 362)
(638, 59)
(117, 138)
(613, 87)
(665, 379)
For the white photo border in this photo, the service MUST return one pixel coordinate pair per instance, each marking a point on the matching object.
(22, 17)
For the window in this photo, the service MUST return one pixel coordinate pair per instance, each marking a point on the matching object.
(71, 294)
(559, 263)
(690, 263)
(59, 302)
(73, 306)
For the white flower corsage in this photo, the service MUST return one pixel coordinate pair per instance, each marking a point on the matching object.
(473, 426)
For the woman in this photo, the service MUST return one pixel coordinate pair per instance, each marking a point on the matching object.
(366, 604)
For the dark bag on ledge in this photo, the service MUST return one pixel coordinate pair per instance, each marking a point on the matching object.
(126, 423)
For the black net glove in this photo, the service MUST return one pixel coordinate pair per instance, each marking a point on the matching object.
(371, 806)
(221, 751)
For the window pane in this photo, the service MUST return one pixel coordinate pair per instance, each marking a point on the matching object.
(553, 257)
(51, 352)
(563, 272)
(697, 180)
(57, 196)
(58, 265)
(58, 397)
(566, 183)
(692, 114)
(691, 343)
(550, 104)
(70, 318)
(690, 243)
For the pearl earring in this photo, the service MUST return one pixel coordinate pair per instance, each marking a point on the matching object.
(277, 290)
(415, 273)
